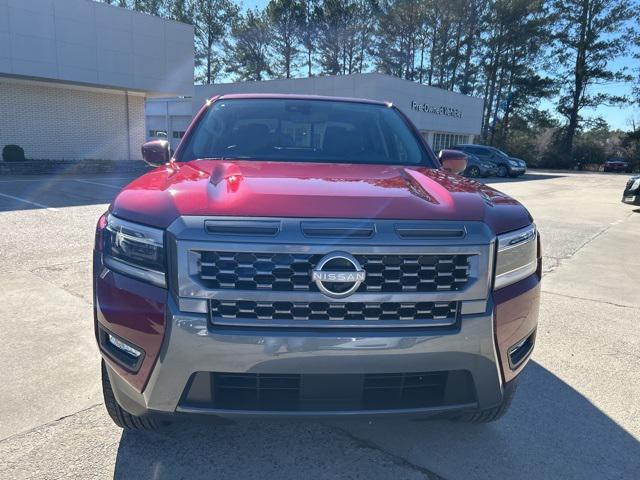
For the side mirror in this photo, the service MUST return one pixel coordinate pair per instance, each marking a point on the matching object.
(156, 152)
(453, 161)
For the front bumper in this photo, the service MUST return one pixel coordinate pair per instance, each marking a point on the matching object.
(191, 344)
(632, 197)
(186, 349)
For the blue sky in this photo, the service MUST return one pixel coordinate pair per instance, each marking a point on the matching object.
(616, 117)
(254, 3)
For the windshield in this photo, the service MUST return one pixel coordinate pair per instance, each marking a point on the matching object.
(304, 131)
(500, 153)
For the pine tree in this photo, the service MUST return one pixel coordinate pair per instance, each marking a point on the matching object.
(590, 34)
(309, 31)
(286, 19)
(636, 41)
(401, 29)
(153, 7)
(248, 47)
(212, 20)
(344, 35)
(181, 11)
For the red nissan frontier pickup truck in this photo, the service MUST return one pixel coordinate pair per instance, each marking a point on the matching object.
(310, 256)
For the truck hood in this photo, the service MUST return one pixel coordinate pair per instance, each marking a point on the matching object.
(313, 190)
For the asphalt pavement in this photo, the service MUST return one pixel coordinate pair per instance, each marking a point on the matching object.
(576, 414)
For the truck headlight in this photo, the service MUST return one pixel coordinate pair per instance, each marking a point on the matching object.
(636, 185)
(517, 256)
(134, 250)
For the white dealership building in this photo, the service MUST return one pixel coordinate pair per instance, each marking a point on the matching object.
(444, 118)
(74, 76)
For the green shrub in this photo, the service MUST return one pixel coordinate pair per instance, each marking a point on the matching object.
(589, 152)
(13, 153)
(552, 157)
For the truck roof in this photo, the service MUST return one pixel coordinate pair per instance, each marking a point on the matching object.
(298, 97)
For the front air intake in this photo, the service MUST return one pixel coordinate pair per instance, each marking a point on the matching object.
(326, 392)
(425, 232)
(337, 230)
(242, 227)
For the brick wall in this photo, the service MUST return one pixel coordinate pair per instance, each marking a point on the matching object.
(60, 123)
(137, 127)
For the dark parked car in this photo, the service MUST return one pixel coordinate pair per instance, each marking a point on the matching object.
(632, 191)
(506, 165)
(478, 168)
(617, 165)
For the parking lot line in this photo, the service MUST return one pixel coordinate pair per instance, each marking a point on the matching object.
(98, 183)
(29, 202)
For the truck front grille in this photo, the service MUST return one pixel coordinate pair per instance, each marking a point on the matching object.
(442, 313)
(330, 273)
(291, 272)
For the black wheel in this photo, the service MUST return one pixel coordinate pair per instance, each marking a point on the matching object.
(491, 414)
(121, 417)
(473, 172)
(502, 171)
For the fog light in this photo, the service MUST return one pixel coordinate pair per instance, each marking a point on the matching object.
(116, 342)
(519, 352)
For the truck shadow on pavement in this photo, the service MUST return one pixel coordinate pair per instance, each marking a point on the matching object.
(551, 431)
(524, 178)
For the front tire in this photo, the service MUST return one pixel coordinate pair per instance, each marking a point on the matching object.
(502, 171)
(473, 172)
(491, 414)
(121, 417)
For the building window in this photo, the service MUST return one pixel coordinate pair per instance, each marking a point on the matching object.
(446, 140)
(158, 133)
(178, 134)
